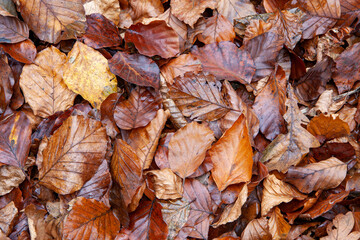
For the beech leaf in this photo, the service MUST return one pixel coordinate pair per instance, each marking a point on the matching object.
(167, 185)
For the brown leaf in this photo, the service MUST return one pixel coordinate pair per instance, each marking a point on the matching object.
(136, 68)
(255, 28)
(89, 219)
(87, 73)
(138, 110)
(145, 140)
(350, 12)
(328, 127)
(232, 9)
(179, 66)
(278, 226)
(15, 133)
(72, 154)
(126, 170)
(226, 61)
(190, 11)
(232, 156)
(317, 176)
(257, 229)
(215, 29)
(52, 22)
(101, 32)
(10, 177)
(107, 109)
(276, 192)
(154, 37)
(264, 50)
(269, 105)
(43, 86)
(347, 70)
(8, 219)
(320, 16)
(12, 30)
(24, 51)
(198, 96)
(341, 228)
(187, 148)
(273, 5)
(7, 82)
(233, 211)
(166, 184)
(288, 149)
(147, 223)
(108, 8)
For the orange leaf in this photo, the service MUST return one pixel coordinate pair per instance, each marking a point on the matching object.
(328, 127)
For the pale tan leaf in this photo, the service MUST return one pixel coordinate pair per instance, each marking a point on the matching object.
(166, 184)
(232, 9)
(108, 8)
(276, 192)
(10, 177)
(43, 86)
(71, 156)
(145, 140)
(8, 218)
(278, 226)
(257, 229)
(341, 228)
(321, 175)
(232, 156)
(87, 73)
(187, 148)
(52, 21)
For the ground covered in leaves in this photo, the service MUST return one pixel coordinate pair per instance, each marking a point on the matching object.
(179, 119)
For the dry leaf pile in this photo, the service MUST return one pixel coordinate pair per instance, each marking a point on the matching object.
(179, 119)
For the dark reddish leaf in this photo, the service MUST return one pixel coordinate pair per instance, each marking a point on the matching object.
(350, 13)
(154, 38)
(226, 61)
(136, 69)
(7, 82)
(274, 5)
(342, 151)
(12, 30)
(107, 113)
(24, 51)
(101, 32)
(138, 110)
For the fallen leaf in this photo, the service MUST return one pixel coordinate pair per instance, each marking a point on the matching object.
(126, 170)
(10, 178)
(257, 229)
(8, 216)
(199, 97)
(269, 105)
(255, 28)
(154, 38)
(51, 22)
(187, 148)
(101, 32)
(226, 61)
(190, 11)
(276, 192)
(350, 10)
(108, 8)
(232, 9)
(273, 5)
(107, 109)
(166, 184)
(12, 30)
(24, 51)
(43, 86)
(7, 8)
(278, 226)
(7, 82)
(317, 176)
(87, 73)
(88, 219)
(135, 68)
(341, 228)
(232, 156)
(83, 144)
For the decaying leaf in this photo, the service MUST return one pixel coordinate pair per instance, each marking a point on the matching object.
(278, 226)
(233, 9)
(12, 30)
(167, 185)
(108, 8)
(10, 178)
(257, 229)
(341, 228)
(24, 51)
(328, 127)
(86, 72)
(7, 218)
(7, 82)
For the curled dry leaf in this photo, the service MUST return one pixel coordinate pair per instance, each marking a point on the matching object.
(8, 216)
(288, 149)
(71, 156)
(166, 184)
(10, 178)
(101, 32)
(317, 176)
(7, 82)
(328, 127)
(145, 140)
(341, 228)
(136, 68)
(187, 148)
(15, 138)
(269, 105)
(126, 170)
(138, 110)
(233, 211)
(276, 192)
(232, 156)
(257, 229)
(226, 61)
(347, 70)
(232, 9)
(52, 22)
(154, 37)
(12, 30)
(43, 86)
(107, 113)
(198, 96)
(108, 8)
(24, 51)
(278, 226)
(190, 11)
(90, 219)
(87, 73)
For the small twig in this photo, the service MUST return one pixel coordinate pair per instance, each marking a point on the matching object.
(346, 94)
